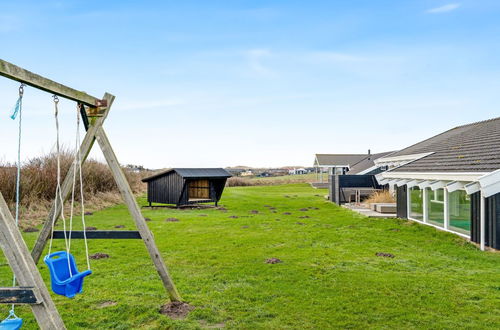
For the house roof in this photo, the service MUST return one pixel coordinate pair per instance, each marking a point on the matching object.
(189, 173)
(469, 148)
(338, 159)
(367, 162)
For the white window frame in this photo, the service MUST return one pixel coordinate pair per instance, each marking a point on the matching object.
(425, 221)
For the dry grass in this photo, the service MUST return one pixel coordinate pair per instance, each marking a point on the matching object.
(39, 180)
(270, 181)
(380, 197)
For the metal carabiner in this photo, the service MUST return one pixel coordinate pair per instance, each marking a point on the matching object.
(21, 90)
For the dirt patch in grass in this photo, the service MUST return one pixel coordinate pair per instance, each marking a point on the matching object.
(304, 209)
(108, 303)
(286, 213)
(254, 211)
(88, 213)
(300, 223)
(304, 217)
(31, 230)
(120, 226)
(99, 255)
(384, 255)
(91, 228)
(273, 261)
(233, 217)
(207, 325)
(147, 219)
(176, 310)
(172, 220)
(202, 215)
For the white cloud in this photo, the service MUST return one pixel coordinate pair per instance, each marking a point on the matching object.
(255, 59)
(337, 57)
(124, 106)
(444, 9)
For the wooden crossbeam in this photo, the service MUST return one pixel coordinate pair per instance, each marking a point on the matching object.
(100, 234)
(14, 72)
(18, 296)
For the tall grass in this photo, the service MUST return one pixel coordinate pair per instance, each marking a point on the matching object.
(236, 181)
(39, 181)
(383, 196)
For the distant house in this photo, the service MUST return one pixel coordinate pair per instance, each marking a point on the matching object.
(247, 173)
(184, 186)
(451, 181)
(339, 164)
(296, 171)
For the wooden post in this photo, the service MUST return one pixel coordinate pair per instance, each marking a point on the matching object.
(135, 211)
(66, 186)
(24, 268)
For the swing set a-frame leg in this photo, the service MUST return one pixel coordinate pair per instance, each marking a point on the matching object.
(96, 131)
(25, 270)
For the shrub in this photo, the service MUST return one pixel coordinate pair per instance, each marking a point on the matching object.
(383, 196)
(39, 181)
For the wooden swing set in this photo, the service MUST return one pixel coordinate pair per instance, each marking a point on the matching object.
(31, 288)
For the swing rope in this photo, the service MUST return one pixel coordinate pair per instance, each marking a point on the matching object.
(78, 161)
(18, 110)
(59, 197)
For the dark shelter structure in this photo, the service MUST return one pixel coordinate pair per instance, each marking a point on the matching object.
(184, 186)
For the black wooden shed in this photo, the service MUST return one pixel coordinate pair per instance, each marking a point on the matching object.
(184, 186)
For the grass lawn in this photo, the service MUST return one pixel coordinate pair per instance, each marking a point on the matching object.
(330, 276)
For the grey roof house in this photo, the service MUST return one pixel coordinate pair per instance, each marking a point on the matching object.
(451, 181)
(348, 163)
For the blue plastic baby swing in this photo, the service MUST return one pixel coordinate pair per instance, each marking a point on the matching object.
(12, 322)
(65, 278)
(63, 281)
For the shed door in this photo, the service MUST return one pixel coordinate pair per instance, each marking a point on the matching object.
(199, 189)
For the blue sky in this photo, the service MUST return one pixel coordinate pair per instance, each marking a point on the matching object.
(259, 83)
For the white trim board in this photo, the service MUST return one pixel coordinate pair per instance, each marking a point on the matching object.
(435, 176)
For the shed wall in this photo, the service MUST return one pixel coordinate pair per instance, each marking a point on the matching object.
(165, 189)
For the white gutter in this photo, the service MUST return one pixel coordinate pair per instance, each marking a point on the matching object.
(435, 176)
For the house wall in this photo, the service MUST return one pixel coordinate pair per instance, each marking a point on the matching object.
(492, 220)
(402, 202)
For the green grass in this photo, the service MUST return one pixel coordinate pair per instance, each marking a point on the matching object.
(330, 276)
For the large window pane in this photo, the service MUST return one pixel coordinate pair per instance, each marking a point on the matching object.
(435, 207)
(460, 212)
(416, 211)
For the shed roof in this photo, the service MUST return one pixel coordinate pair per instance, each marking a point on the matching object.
(469, 148)
(188, 173)
(338, 159)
